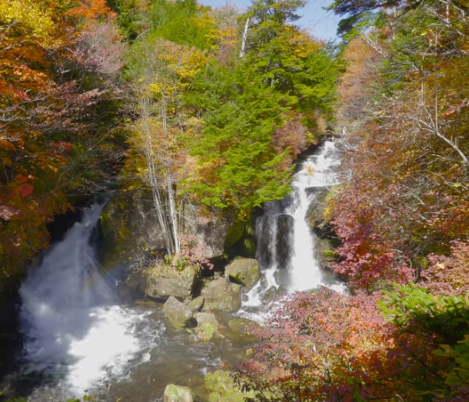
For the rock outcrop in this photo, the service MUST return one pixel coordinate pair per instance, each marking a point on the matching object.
(130, 228)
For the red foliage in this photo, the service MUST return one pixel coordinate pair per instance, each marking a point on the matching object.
(447, 275)
(325, 346)
(367, 254)
(194, 250)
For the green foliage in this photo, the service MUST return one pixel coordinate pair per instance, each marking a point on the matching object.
(458, 371)
(287, 59)
(184, 22)
(414, 309)
(239, 168)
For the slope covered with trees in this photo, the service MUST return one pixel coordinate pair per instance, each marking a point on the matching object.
(58, 64)
(216, 125)
(201, 105)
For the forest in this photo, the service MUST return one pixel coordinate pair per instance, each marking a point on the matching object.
(213, 106)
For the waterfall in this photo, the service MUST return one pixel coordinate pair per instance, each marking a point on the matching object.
(286, 245)
(74, 330)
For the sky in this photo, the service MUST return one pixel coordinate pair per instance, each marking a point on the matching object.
(321, 24)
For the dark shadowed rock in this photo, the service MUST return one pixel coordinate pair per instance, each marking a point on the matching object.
(284, 239)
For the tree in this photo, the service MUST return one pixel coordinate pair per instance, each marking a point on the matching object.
(162, 73)
(237, 165)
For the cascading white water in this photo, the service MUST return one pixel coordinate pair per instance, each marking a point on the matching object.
(73, 328)
(317, 172)
(286, 244)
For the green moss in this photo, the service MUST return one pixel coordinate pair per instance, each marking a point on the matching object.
(222, 388)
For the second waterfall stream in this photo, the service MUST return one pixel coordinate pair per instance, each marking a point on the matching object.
(286, 245)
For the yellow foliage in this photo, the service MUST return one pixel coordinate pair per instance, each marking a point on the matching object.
(35, 17)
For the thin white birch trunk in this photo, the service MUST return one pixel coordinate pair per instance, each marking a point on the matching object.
(245, 37)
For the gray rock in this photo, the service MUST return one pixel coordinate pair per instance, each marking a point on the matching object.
(162, 281)
(244, 271)
(176, 393)
(207, 326)
(219, 295)
(178, 314)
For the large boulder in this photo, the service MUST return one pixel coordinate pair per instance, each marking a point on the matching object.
(162, 281)
(177, 313)
(176, 393)
(207, 326)
(244, 271)
(221, 295)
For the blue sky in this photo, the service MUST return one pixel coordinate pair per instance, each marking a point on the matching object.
(319, 23)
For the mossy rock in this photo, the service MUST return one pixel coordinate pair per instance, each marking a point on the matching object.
(242, 326)
(196, 304)
(207, 326)
(240, 240)
(222, 388)
(220, 295)
(176, 393)
(244, 271)
(162, 280)
(177, 313)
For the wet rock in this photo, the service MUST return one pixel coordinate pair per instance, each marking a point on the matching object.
(240, 240)
(284, 240)
(177, 313)
(325, 253)
(220, 295)
(244, 271)
(317, 214)
(265, 239)
(196, 304)
(162, 281)
(176, 393)
(207, 326)
(221, 387)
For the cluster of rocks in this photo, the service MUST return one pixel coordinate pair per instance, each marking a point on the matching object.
(222, 294)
